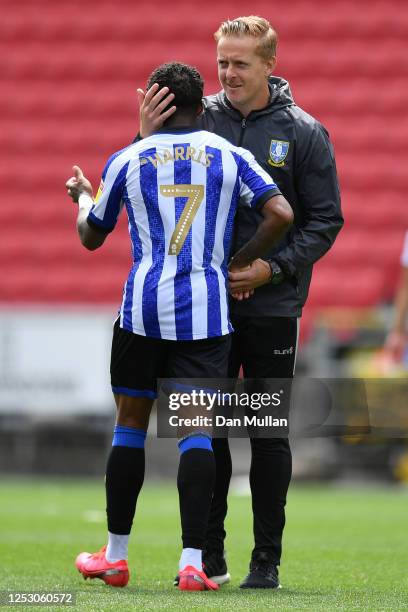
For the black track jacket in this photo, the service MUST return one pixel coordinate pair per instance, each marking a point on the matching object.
(296, 151)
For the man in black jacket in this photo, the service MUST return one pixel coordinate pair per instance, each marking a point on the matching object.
(256, 110)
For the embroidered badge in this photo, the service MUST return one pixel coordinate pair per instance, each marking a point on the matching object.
(278, 152)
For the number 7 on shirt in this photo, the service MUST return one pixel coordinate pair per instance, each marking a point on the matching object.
(194, 195)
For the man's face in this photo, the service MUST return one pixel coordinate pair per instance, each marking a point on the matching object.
(243, 73)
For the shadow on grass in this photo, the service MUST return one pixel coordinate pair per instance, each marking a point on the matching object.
(227, 591)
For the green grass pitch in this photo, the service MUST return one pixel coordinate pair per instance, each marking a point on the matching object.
(345, 549)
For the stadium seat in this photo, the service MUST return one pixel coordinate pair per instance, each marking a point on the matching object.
(353, 247)
(357, 99)
(330, 288)
(376, 211)
(68, 96)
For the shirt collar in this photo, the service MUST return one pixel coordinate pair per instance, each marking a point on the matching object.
(178, 130)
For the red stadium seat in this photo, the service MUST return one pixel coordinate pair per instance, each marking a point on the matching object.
(68, 96)
(358, 289)
(380, 211)
(327, 99)
(373, 248)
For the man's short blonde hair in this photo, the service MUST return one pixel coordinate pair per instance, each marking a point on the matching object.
(258, 27)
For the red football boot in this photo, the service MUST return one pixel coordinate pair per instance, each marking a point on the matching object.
(96, 566)
(191, 579)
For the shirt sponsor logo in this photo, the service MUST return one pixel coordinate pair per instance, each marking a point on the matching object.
(278, 151)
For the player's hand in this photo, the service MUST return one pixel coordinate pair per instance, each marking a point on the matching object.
(78, 184)
(151, 106)
(395, 345)
(248, 279)
(240, 295)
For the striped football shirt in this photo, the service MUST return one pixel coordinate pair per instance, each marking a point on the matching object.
(180, 189)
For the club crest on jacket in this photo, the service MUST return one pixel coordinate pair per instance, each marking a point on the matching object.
(278, 151)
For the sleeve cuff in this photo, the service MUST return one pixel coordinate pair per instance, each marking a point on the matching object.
(258, 204)
(97, 227)
(286, 268)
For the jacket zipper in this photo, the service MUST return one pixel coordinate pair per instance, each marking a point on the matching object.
(243, 126)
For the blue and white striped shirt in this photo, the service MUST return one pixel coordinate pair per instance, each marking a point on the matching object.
(180, 188)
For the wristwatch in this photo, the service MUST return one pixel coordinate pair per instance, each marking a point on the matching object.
(277, 274)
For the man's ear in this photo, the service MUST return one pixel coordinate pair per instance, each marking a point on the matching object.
(200, 109)
(270, 65)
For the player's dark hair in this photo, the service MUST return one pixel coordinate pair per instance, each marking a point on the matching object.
(184, 81)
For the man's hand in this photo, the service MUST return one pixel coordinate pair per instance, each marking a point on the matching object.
(151, 106)
(243, 281)
(78, 184)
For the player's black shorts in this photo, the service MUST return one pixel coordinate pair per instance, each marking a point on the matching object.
(138, 361)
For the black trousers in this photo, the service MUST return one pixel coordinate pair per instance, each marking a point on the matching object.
(265, 348)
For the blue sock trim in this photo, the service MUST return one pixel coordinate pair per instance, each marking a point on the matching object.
(128, 436)
(195, 441)
(176, 386)
(135, 392)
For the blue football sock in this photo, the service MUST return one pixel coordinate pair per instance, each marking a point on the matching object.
(195, 441)
(128, 436)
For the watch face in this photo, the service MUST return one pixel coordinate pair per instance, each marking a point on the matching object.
(277, 279)
(277, 274)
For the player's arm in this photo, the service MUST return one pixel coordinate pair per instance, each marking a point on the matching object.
(260, 192)
(80, 190)
(277, 218)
